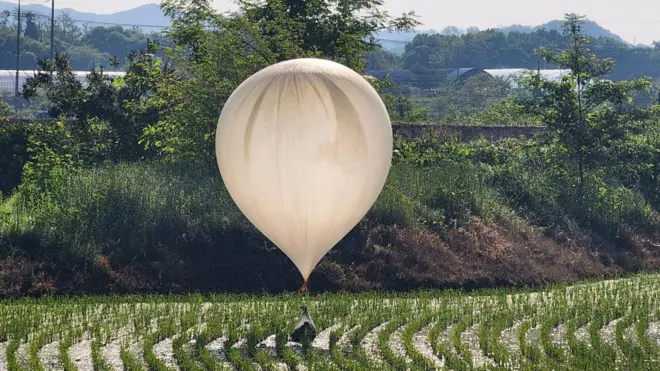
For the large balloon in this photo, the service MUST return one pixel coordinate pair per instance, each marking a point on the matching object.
(304, 148)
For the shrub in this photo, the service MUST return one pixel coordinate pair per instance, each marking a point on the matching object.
(13, 153)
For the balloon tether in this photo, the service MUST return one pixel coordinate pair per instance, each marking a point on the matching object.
(304, 290)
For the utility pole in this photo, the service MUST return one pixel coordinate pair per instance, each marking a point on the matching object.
(52, 30)
(458, 66)
(18, 46)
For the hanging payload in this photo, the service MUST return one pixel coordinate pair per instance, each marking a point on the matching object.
(304, 329)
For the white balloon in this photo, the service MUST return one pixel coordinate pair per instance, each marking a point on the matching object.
(304, 148)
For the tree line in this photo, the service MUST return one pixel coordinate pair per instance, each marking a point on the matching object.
(85, 46)
(89, 47)
(498, 49)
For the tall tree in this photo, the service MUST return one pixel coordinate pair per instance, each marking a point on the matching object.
(32, 29)
(217, 52)
(589, 116)
(341, 30)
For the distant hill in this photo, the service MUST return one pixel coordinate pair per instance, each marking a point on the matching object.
(149, 14)
(591, 28)
(398, 39)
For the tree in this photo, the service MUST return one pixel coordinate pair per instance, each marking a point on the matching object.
(107, 115)
(589, 117)
(452, 31)
(381, 59)
(5, 109)
(400, 106)
(66, 29)
(4, 19)
(114, 40)
(31, 27)
(469, 96)
(114, 62)
(472, 30)
(341, 30)
(216, 53)
(516, 49)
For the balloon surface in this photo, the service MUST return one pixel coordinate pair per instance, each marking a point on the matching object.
(304, 148)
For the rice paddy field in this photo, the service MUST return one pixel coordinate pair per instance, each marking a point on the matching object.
(590, 326)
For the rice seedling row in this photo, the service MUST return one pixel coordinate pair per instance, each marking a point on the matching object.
(591, 326)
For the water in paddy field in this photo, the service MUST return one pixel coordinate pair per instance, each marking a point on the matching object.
(428, 330)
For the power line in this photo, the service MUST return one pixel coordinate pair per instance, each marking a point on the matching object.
(38, 15)
(402, 42)
(612, 48)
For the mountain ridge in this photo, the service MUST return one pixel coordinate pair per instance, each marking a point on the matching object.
(395, 41)
(149, 17)
(146, 15)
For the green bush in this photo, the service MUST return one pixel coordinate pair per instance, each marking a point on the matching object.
(13, 153)
(129, 208)
(169, 225)
(393, 207)
(31, 153)
(535, 179)
(132, 208)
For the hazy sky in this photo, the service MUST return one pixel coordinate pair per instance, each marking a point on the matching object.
(632, 19)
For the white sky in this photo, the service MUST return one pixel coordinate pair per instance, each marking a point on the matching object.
(632, 19)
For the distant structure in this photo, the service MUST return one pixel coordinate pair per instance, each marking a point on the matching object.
(427, 80)
(514, 75)
(8, 78)
(431, 79)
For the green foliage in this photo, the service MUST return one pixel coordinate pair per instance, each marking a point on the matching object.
(399, 104)
(86, 46)
(477, 100)
(166, 225)
(335, 29)
(495, 48)
(52, 152)
(129, 360)
(13, 153)
(501, 113)
(468, 97)
(588, 118)
(281, 338)
(131, 209)
(531, 175)
(219, 52)
(107, 115)
(381, 59)
(5, 109)
(98, 362)
(12, 359)
(393, 207)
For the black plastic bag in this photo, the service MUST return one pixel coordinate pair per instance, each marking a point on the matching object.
(305, 329)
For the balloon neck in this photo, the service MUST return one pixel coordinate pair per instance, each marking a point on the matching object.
(304, 287)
